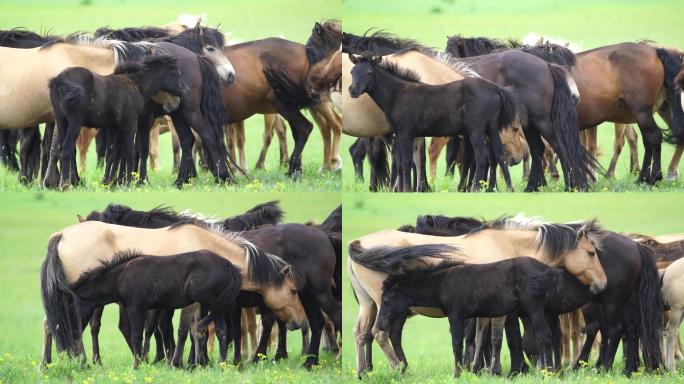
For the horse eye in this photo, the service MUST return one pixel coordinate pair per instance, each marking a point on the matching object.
(210, 49)
(592, 254)
(293, 291)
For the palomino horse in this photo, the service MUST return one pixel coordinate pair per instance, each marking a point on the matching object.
(82, 247)
(673, 296)
(554, 244)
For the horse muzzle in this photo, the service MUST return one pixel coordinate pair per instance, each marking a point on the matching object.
(354, 93)
(293, 325)
(596, 288)
(227, 77)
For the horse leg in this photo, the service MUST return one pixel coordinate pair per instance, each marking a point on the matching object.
(186, 169)
(45, 149)
(29, 153)
(312, 308)
(514, 341)
(395, 338)
(230, 141)
(436, 146)
(358, 152)
(144, 128)
(269, 129)
(674, 318)
(419, 161)
(47, 344)
(183, 330)
(281, 350)
(325, 130)
(249, 320)
(267, 321)
(154, 144)
(334, 124)
(592, 143)
(456, 326)
(68, 148)
(673, 168)
(8, 145)
(481, 323)
(151, 321)
(137, 321)
(618, 143)
(240, 144)
(481, 154)
(175, 145)
(554, 323)
(281, 132)
(652, 139)
(536, 178)
(301, 129)
(95, 322)
(497, 325)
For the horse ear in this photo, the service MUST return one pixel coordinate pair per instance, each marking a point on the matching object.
(376, 60)
(318, 29)
(80, 218)
(540, 41)
(353, 58)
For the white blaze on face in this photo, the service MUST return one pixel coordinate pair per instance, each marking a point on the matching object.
(574, 91)
(224, 67)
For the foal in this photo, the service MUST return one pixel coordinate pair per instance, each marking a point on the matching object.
(472, 106)
(142, 282)
(115, 103)
(482, 290)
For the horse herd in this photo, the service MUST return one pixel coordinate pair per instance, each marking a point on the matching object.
(218, 272)
(119, 81)
(486, 276)
(542, 101)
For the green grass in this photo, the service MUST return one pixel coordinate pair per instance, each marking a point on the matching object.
(248, 20)
(589, 23)
(426, 341)
(26, 222)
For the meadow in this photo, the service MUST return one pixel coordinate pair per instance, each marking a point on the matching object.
(426, 341)
(244, 20)
(587, 23)
(26, 222)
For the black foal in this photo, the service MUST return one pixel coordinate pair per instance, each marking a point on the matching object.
(473, 106)
(114, 102)
(480, 290)
(140, 283)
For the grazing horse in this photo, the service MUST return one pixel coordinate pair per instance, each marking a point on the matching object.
(415, 109)
(81, 247)
(632, 283)
(463, 291)
(139, 283)
(115, 103)
(555, 244)
(309, 250)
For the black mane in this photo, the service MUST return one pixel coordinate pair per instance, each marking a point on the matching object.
(119, 258)
(439, 225)
(325, 39)
(396, 259)
(332, 223)
(23, 38)
(262, 214)
(413, 274)
(132, 67)
(123, 215)
(193, 41)
(132, 34)
(378, 43)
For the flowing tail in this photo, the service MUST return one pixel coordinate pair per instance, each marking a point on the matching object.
(648, 301)
(508, 110)
(59, 301)
(672, 64)
(579, 162)
(394, 259)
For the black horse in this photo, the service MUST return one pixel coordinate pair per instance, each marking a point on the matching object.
(465, 291)
(541, 88)
(309, 250)
(202, 109)
(114, 102)
(414, 109)
(630, 307)
(140, 283)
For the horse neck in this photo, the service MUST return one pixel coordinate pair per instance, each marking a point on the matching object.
(424, 291)
(386, 89)
(148, 86)
(521, 242)
(102, 290)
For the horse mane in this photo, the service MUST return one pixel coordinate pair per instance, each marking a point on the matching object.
(419, 273)
(133, 67)
(19, 34)
(123, 51)
(396, 259)
(190, 40)
(553, 53)
(377, 42)
(408, 228)
(93, 274)
(445, 223)
(262, 214)
(132, 34)
(123, 215)
(329, 39)
(332, 223)
(395, 70)
(262, 267)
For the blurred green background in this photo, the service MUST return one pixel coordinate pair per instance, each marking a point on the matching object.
(426, 341)
(247, 20)
(585, 22)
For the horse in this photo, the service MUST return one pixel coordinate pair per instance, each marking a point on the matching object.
(311, 251)
(666, 248)
(78, 248)
(630, 267)
(114, 102)
(555, 244)
(672, 296)
(139, 282)
(212, 115)
(396, 93)
(464, 291)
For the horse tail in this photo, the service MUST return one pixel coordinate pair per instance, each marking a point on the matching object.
(647, 299)
(394, 259)
(65, 91)
(379, 163)
(288, 91)
(59, 301)
(29, 155)
(336, 241)
(672, 64)
(508, 110)
(580, 163)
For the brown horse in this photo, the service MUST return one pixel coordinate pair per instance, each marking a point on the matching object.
(82, 247)
(272, 79)
(502, 239)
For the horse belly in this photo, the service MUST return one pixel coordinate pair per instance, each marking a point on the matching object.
(428, 311)
(362, 117)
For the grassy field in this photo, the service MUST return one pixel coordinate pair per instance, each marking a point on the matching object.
(248, 20)
(427, 342)
(26, 222)
(588, 23)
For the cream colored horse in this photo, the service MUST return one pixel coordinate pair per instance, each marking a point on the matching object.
(505, 239)
(673, 295)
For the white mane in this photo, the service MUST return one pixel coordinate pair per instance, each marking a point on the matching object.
(533, 38)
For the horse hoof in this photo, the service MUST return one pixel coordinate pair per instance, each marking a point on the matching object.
(280, 356)
(310, 362)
